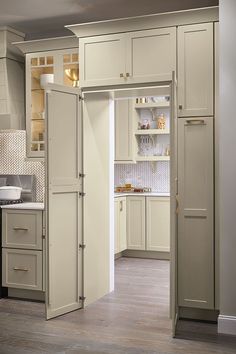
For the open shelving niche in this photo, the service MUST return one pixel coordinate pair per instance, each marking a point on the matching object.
(149, 111)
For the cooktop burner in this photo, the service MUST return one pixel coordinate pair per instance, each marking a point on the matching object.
(7, 202)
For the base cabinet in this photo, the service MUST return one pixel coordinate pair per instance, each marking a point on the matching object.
(136, 223)
(22, 249)
(120, 225)
(158, 224)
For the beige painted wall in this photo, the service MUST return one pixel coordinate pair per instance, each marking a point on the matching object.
(227, 166)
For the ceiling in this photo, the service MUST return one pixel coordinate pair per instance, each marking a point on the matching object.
(46, 18)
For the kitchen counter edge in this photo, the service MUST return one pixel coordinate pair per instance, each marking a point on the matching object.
(151, 194)
(25, 206)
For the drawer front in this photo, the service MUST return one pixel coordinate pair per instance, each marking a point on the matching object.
(22, 229)
(22, 269)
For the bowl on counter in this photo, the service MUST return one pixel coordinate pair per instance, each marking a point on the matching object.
(10, 193)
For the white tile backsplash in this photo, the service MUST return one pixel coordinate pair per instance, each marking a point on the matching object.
(13, 160)
(155, 175)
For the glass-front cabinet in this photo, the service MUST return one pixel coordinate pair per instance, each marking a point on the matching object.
(58, 66)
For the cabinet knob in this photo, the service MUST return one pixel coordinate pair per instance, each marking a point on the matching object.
(121, 75)
(180, 106)
(127, 74)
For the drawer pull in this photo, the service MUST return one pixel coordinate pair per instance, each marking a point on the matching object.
(195, 121)
(20, 228)
(20, 269)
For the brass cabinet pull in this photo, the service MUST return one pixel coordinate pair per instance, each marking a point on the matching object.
(127, 74)
(180, 106)
(20, 269)
(20, 228)
(121, 75)
(177, 204)
(195, 121)
(121, 205)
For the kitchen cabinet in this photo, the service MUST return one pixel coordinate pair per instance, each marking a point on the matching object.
(122, 58)
(195, 70)
(195, 213)
(136, 233)
(158, 224)
(124, 131)
(120, 225)
(22, 249)
(58, 66)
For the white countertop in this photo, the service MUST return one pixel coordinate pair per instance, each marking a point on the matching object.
(147, 194)
(25, 206)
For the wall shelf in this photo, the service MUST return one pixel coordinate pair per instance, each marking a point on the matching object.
(152, 105)
(152, 158)
(152, 132)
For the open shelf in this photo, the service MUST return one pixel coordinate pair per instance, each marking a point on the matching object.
(152, 105)
(152, 132)
(152, 158)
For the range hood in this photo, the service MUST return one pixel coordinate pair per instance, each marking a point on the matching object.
(12, 81)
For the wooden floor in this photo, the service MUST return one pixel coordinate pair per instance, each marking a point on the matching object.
(132, 320)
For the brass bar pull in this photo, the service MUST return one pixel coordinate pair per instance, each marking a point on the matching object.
(127, 74)
(121, 205)
(195, 121)
(20, 228)
(20, 269)
(121, 75)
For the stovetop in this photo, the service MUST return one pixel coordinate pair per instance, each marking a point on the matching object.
(8, 202)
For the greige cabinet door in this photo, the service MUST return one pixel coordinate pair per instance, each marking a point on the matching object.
(102, 60)
(195, 70)
(136, 223)
(117, 226)
(124, 131)
(151, 55)
(122, 224)
(195, 219)
(63, 201)
(158, 223)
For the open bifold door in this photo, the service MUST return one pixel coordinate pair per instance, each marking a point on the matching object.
(173, 208)
(63, 201)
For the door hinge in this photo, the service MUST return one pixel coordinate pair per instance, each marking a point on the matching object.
(81, 98)
(82, 298)
(82, 246)
(82, 175)
(82, 194)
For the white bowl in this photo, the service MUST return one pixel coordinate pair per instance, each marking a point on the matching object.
(10, 193)
(46, 79)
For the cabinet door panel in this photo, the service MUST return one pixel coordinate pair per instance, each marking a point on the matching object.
(117, 224)
(123, 131)
(123, 236)
(102, 60)
(151, 55)
(158, 224)
(195, 70)
(195, 222)
(136, 223)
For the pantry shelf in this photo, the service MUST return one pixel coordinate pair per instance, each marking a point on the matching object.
(152, 105)
(152, 158)
(152, 132)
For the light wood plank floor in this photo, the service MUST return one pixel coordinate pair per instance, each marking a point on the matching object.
(131, 320)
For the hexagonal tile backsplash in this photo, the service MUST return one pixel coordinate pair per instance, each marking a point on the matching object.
(13, 160)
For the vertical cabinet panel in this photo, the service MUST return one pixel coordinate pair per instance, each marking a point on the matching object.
(102, 60)
(120, 225)
(195, 70)
(151, 55)
(136, 223)
(123, 131)
(117, 226)
(158, 224)
(195, 221)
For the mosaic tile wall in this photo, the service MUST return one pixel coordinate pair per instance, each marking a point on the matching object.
(13, 160)
(146, 174)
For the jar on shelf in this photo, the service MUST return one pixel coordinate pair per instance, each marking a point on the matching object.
(161, 121)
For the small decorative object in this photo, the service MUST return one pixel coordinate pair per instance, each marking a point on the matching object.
(167, 152)
(46, 79)
(73, 75)
(161, 122)
(145, 124)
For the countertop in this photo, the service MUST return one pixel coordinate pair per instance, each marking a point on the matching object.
(147, 194)
(25, 206)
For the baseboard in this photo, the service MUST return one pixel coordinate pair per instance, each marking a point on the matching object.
(26, 294)
(118, 255)
(227, 325)
(146, 254)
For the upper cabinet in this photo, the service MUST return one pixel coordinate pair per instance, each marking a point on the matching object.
(60, 67)
(135, 57)
(47, 61)
(195, 70)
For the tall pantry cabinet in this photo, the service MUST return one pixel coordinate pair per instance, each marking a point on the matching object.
(196, 263)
